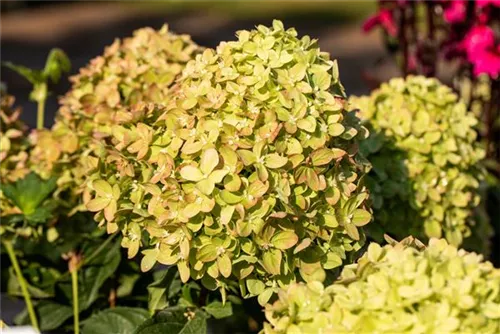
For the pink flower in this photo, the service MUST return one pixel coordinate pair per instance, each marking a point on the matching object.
(455, 12)
(478, 40)
(484, 3)
(488, 63)
(383, 18)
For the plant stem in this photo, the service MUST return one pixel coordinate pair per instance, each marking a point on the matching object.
(40, 115)
(73, 268)
(22, 284)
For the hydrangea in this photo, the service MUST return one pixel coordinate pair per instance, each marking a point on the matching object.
(139, 68)
(396, 289)
(249, 174)
(423, 150)
(13, 155)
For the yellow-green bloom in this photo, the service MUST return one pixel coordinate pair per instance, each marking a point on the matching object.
(249, 174)
(399, 288)
(139, 68)
(13, 146)
(425, 157)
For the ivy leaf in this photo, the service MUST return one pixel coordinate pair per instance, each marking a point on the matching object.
(118, 320)
(218, 310)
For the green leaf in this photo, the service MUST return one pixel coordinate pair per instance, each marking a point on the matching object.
(92, 275)
(173, 321)
(51, 315)
(33, 76)
(218, 310)
(14, 289)
(118, 320)
(159, 290)
(29, 192)
(56, 64)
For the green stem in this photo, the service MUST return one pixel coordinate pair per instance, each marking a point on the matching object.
(76, 311)
(40, 115)
(22, 284)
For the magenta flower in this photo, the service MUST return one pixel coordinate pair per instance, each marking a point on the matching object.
(488, 63)
(383, 18)
(479, 39)
(484, 3)
(455, 12)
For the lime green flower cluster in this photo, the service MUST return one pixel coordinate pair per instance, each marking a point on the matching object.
(139, 68)
(13, 145)
(249, 174)
(424, 154)
(396, 289)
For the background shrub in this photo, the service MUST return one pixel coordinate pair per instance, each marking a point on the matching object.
(426, 172)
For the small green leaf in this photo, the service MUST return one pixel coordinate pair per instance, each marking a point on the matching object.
(218, 310)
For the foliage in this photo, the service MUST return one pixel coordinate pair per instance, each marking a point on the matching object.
(422, 146)
(396, 289)
(248, 174)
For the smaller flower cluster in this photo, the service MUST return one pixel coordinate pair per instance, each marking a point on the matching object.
(248, 174)
(423, 149)
(397, 288)
(139, 68)
(13, 148)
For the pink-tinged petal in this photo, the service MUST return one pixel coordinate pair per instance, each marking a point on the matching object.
(455, 12)
(371, 22)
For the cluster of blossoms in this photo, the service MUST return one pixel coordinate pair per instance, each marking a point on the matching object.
(13, 145)
(139, 68)
(422, 146)
(248, 174)
(468, 25)
(397, 288)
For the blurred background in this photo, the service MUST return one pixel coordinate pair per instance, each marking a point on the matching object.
(29, 29)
